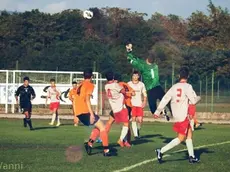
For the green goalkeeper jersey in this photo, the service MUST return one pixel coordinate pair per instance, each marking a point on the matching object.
(149, 72)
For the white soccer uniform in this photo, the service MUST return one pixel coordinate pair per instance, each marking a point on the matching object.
(53, 93)
(180, 95)
(139, 89)
(116, 99)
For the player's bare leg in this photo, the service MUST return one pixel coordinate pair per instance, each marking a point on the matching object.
(180, 138)
(109, 124)
(104, 137)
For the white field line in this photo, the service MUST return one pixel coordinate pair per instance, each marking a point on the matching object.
(155, 159)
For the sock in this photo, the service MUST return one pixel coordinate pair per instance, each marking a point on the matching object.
(170, 145)
(94, 134)
(29, 123)
(105, 140)
(124, 132)
(189, 145)
(138, 126)
(53, 118)
(134, 127)
(108, 127)
(58, 119)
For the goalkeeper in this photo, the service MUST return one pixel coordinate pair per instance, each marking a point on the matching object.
(149, 72)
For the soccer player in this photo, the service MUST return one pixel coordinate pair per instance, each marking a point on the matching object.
(53, 93)
(26, 94)
(180, 95)
(86, 115)
(137, 103)
(149, 72)
(115, 94)
(72, 97)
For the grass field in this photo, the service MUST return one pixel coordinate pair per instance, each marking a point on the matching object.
(44, 149)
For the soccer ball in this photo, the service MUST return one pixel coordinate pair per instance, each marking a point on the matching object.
(87, 14)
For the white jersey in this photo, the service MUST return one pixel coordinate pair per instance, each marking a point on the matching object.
(53, 94)
(140, 90)
(180, 94)
(116, 98)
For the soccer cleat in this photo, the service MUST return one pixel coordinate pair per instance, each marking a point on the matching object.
(121, 143)
(159, 155)
(51, 123)
(75, 125)
(126, 144)
(31, 129)
(138, 133)
(193, 160)
(98, 140)
(58, 124)
(107, 154)
(24, 122)
(165, 114)
(88, 148)
(137, 138)
(198, 125)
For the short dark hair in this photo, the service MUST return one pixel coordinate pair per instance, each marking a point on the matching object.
(117, 77)
(26, 78)
(151, 56)
(74, 82)
(88, 73)
(136, 72)
(52, 80)
(109, 76)
(184, 72)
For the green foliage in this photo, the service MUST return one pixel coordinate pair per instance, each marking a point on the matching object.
(67, 41)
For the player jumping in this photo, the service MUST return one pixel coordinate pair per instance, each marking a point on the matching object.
(180, 95)
(137, 103)
(26, 94)
(53, 93)
(149, 72)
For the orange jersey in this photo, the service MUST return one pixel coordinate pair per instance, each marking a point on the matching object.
(83, 90)
(128, 91)
(72, 96)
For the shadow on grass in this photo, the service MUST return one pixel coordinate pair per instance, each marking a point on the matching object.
(44, 128)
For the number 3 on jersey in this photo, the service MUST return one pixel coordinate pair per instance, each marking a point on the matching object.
(179, 93)
(109, 94)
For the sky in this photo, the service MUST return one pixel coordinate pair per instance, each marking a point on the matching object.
(183, 8)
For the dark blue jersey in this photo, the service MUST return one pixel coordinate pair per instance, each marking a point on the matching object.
(25, 95)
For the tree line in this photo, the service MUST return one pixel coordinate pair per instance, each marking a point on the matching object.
(67, 41)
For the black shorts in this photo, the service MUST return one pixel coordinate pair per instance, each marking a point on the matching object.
(85, 118)
(26, 108)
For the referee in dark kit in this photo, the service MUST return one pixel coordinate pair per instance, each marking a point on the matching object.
(25, 93)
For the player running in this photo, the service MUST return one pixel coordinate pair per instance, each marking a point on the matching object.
(72, 97)
(115, 94)
(26, 94)
(180, 95)
(86, 115)
(137, 103)
(53, 93)
(149, 72)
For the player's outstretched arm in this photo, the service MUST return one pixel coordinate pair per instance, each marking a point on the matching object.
(134, 61)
